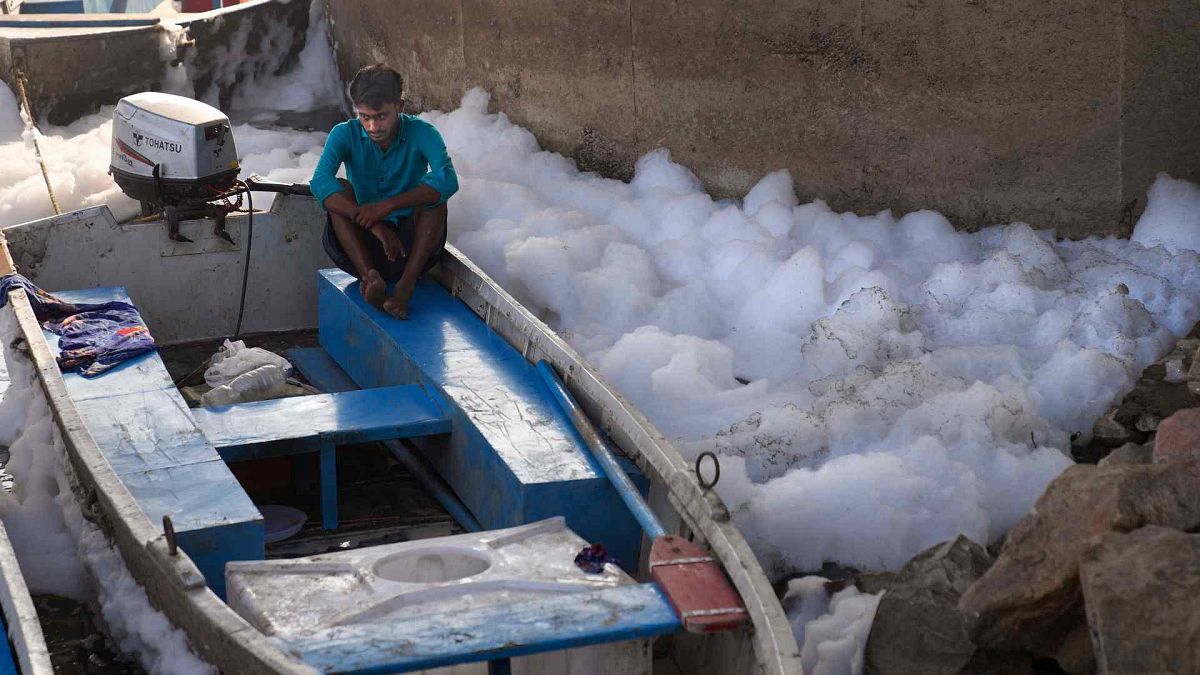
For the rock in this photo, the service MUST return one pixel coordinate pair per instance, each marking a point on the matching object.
(1178, 441)
(877, 582)
(1029, 599)
(1130, 453)
(1075, 655)
(1187, 346)
(1000, 663)
(918, 628)
(1194, 370)
(1109, 432)
(1174, 371)
(1142, 597)
(1147, 422)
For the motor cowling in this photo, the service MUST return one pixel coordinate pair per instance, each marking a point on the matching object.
(168, 149)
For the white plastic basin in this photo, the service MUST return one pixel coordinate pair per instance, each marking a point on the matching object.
(433, 565)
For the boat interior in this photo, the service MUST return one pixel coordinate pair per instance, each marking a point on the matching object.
(437, 478)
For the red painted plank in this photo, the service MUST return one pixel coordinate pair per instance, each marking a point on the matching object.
(693, 582)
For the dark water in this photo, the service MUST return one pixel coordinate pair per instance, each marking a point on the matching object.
(77, 643)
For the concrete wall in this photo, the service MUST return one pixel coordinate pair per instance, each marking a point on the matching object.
(1057, 112)
(72, 72)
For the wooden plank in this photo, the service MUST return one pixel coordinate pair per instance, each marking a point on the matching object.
(546, 624)
(7, 266)
(144, 431)
(348, 417)
(320, 369)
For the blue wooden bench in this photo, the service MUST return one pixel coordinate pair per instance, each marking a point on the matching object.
(143, 427)
(428, 640)
(512, 457)
(319, 424)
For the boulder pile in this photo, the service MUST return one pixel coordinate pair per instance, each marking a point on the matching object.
(1101, 576)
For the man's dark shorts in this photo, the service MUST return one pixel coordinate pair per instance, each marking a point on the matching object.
(390, 270)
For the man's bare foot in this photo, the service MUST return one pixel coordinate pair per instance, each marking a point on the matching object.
(397, 305)
(374, 289)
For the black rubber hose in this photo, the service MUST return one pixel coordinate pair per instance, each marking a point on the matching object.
(246, 266)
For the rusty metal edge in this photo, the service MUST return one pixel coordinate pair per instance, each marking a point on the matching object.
(173, 584)
(774, 643)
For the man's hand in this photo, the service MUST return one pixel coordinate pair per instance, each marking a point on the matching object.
(392, 246)
(369, 214)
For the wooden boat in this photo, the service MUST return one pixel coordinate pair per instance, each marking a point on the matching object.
(458, 381)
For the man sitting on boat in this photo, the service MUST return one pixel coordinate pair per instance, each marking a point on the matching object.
(387, 223)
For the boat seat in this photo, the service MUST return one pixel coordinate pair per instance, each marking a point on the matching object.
(513, 456)
(145, 431)
(320, 423)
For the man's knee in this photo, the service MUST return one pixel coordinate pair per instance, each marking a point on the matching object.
(348, 188)
(435, 215)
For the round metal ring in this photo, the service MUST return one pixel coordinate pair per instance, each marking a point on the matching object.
(716, 470)
(169, 531)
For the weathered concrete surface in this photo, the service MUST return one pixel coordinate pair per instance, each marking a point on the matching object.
(1058, 113)
(71, 72)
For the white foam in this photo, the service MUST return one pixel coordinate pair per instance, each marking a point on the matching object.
(832, 630)
(874, 385)
(313, 83)
(1172, 215)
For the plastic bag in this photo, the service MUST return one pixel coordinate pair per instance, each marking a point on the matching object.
(262, 383)
(235, 358)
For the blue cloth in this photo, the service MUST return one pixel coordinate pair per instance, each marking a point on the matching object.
(45, 306)
(417, 156)
(93, 338)
(100, 337)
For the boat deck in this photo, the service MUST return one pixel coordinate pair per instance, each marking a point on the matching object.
(511, 456)
(380, 500)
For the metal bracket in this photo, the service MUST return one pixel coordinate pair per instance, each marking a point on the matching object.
(169, 531)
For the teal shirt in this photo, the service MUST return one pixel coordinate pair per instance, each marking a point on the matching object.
(416, 157)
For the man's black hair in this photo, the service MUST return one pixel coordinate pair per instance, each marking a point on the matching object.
(376, 85)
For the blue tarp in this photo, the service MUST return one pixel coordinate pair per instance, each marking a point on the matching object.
(92, 337)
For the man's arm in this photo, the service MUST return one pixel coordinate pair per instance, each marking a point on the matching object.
(441, 176)
(325, 185)
(367, 214)
(343, 204)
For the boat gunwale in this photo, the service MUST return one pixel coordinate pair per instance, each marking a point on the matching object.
(173, 583)
(30, 652)
(703, 510)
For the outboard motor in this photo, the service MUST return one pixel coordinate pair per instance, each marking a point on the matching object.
(175, 154)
